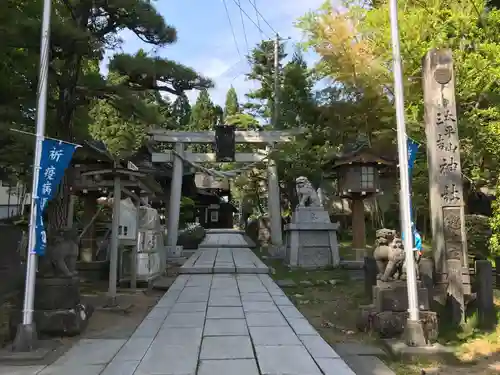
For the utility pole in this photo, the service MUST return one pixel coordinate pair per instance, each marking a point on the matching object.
(273, 188)
(413, 331)
(276, 82)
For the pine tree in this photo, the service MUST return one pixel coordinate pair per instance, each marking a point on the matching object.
(232, 106)
(80, 33)
(297, 105)
(261, 100)
(181, 111)
(203, 113)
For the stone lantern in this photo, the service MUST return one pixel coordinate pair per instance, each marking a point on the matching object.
(357, 173)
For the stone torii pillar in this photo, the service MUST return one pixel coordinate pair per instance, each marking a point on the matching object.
(274, 206)
(174, 205)
(208, 137)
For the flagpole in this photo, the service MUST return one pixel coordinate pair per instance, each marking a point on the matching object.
(26, 336)
(413, 330)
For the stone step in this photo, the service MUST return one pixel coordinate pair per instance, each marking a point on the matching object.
(367, 365)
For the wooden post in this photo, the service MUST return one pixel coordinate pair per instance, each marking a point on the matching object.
(358, 228)
(485, 304)
(113, 250)
(445, 173)
(71, 211)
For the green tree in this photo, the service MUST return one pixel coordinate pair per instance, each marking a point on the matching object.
(125, 133)
(203, 113)
(243, 121)
(181, 111)
(297, 104)
(18, 86)
(80, 33)
(232, 106)
(261, 100)
(218, 115)
(356, 54)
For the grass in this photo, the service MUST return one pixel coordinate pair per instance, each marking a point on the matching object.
(332, 310)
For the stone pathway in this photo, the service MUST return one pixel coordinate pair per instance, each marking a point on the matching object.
(224, 260)
(209, 324)
(224, 238)
(224, 251)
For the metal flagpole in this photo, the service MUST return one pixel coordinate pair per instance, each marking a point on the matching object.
(26, 336)
(413, 334)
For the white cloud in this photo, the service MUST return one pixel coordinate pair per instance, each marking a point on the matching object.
(224, 73)
(212, 51)
(281, 17)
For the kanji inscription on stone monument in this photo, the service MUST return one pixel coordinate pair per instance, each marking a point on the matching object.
(443, 156)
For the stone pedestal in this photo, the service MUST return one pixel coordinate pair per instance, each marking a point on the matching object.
(58, 309)
(388, 313)
(311, 239)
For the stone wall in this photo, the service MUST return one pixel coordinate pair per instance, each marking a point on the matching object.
(11, 266)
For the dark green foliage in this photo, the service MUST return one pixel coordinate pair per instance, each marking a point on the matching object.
(118, 109)
(203, 114)
(232, 106)
(297, 105)
(191, 237)
(261, 100)
(478, 235)
(181, 111)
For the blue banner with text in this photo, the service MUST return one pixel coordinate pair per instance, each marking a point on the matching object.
(55, 158)
(412, 156)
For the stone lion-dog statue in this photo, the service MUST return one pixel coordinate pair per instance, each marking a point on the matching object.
(308, 197)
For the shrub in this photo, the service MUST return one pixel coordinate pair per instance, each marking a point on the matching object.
(191, 236)
(478, 235)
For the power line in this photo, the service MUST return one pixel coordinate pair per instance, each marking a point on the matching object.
(257, 16)
(231, 67)
(251, 20)
(231, 25)
(261, 16)
(243, 25)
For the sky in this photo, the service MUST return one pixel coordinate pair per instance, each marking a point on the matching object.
(205, 39)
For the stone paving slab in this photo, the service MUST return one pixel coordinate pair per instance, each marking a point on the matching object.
(220, 260)
(232, 239)
(209, 325)
(223, 316)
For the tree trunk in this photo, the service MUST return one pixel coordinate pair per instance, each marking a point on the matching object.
(57, 210)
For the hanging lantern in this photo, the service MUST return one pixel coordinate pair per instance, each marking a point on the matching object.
(225, 143)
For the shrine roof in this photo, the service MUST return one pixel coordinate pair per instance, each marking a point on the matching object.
(363, 154)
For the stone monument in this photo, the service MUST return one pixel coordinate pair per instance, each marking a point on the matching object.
(58, 307)
(311, 238)
(445, 182)
(388, 313)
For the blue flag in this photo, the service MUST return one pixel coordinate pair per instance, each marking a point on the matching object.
(55, 158)
(412, 156)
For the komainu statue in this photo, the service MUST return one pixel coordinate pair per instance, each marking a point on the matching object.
(308, 197)
(61, 255)
(389, 255)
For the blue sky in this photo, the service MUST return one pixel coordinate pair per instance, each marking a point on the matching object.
(206, 43)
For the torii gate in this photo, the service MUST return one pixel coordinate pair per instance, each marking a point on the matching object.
(179, 139)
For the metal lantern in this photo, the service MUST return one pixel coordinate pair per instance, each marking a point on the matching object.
(358, 179)
(225, 143)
